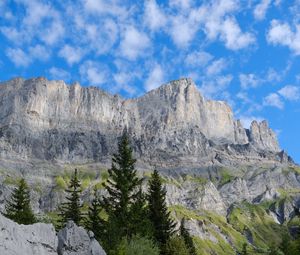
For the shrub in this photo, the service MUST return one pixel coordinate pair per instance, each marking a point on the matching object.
(137, 246)
(176, 246)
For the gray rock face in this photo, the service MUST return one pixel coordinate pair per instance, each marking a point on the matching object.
(74, 240)
(49, 120)
(36, 239)
(41, 239)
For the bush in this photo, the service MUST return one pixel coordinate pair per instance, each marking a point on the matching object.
(60, 182)
(137, 246)
(176, 246)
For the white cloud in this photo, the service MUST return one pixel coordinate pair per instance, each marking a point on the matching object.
(110, 7)
(59, 74)
(53, 33)
(216, 67)
(290, 92)
(261, 9)
(274, 100)
(280, 33)
(233, 37)
(183, 30)
(154, 16)
(249, 81)
(94, 73)
(18, 57)
(219, 23)
(182, 4)
(39, 52)
(198, 59)
(155, 78)
(216, 87)
(71, 54)
(247, 120)
(134, 43)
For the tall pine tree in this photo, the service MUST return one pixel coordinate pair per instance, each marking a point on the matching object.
(18, 207)
(188, 240)
(71, 210)
(159, 215)
(123, 191)
(94, 222)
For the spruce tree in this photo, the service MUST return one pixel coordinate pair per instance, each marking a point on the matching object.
(141, 224)
(122, 187)
(158, 211)
(94, 222)
(244, 250)
(71, 210)
(187, 238)
(18, 207)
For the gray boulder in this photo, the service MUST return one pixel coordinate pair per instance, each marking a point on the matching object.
(74, 240)
(36, 239)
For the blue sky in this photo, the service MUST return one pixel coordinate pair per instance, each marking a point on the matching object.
(245, 52)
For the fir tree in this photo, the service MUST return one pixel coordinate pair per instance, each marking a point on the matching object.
(71, 210)
(141, 224)
(94, 222)
(158, 211)
(18, 207)
(244, 250)
(123, 191)
(187, 238)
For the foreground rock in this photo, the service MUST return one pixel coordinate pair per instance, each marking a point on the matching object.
(41, 239)
(74, 240)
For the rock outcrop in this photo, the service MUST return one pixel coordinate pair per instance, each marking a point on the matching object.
(51, 121)
(41, 239)
(74, 240)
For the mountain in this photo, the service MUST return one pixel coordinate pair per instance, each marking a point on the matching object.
(233, 184)
(49, 120)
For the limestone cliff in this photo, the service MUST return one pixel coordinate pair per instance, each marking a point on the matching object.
(50, 120)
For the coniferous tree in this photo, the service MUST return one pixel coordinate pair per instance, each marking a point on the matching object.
(141, 224)
(71, 210)
(187, 238)
(158, 211)
(244, 250)
(18, 207)
(123, 191)
(94, 222)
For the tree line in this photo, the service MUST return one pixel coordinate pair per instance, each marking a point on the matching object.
(126, 220)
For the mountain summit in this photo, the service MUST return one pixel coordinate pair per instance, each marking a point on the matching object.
(173, 125)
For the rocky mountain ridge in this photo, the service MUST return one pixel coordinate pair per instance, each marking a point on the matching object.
(49, 120)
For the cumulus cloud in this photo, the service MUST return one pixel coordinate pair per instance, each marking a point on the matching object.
(39, 52)
(290, 92)
(274, 100)
(233, 37)
(216, 67)
(154, 16)
(18, 57)
(281, 33)
(219, 24)
(94, 73)
(261, 9)
(247, 120)
(249, 81)
(134, 43)
(155, 78)
(71, 54)
(59, 74)
(198, 59)
(216, 87)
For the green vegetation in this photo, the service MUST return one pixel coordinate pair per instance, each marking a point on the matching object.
(18, 207)
(225, 177)
(137, 245)
(72, 209)
(253, 220)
